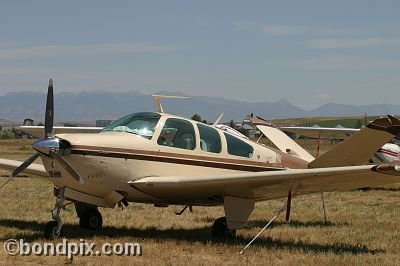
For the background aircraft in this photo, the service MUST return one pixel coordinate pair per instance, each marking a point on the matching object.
(162, 159)
(388, 153)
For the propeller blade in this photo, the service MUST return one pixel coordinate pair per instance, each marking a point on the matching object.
(24, 165)
(49, 116)
(66, 166)
(21, 168)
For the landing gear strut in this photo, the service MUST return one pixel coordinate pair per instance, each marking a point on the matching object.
(53, 229)
(220, 230)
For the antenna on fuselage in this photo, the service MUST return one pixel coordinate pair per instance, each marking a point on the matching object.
(218, 120)
(157, 99)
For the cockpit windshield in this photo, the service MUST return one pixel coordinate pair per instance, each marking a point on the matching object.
(142, 124)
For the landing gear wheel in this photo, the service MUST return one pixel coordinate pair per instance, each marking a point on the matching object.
(91, 219)
(220, 230)
(50, 230)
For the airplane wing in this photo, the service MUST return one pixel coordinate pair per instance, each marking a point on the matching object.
(36, 170)
(323, 132)
(280, 139)
(266, 185)
(38, 131)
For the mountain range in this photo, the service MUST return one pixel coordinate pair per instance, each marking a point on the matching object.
(92, 105)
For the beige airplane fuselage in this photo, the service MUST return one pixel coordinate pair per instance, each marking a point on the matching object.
(108, 161)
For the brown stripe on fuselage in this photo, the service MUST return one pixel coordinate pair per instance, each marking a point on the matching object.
(205, 161)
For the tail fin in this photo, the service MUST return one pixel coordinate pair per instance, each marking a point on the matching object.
(280, 139)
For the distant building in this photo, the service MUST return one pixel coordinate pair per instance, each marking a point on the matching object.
(248, 127)
(103, 123)
(28, 122)
(250, 130)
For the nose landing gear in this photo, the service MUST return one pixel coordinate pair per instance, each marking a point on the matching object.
(89, 217)
(53, 229)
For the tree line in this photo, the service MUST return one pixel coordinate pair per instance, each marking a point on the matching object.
(10, 133)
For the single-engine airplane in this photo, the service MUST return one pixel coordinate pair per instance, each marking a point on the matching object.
(163, 159)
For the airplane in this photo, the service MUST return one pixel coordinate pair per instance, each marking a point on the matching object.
(163, 159)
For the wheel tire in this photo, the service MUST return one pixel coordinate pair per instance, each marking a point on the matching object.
(91, 219)
(220, 230)
(50, 230)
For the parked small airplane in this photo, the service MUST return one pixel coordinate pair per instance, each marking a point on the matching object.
(163, 159)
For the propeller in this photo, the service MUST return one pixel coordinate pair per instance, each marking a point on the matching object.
(64, 164)
(49, 116)
(48, 144)
(21, 168)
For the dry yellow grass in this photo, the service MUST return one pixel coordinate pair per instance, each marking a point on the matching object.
(363, 228)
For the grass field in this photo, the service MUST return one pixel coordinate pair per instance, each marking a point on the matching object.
(362, 228)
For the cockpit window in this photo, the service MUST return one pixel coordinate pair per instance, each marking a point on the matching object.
(178, 133)
(142, 124)
(238, 147)
(210, 140)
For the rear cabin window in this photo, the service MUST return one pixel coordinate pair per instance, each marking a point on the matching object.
(210, 140)
(238, 147)
(178, 133)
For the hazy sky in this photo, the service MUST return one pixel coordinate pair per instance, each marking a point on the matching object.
(309, 52)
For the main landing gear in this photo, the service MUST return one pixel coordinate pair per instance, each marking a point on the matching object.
(89, 216)
(220, 230)
(91, 219)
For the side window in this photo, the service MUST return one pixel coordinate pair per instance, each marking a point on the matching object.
(238, 147)
(178, 133)
(210, 140)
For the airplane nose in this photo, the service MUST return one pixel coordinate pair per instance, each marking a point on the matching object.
(46, 145)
